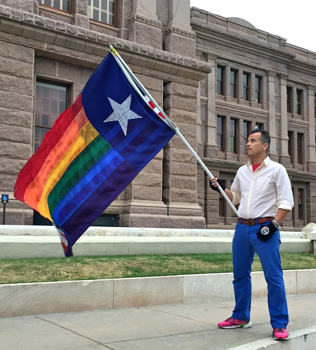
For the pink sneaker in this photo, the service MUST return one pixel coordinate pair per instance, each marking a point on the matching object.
(233, 323)
(280, 334)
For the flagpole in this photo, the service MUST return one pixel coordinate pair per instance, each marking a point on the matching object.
(137, 85)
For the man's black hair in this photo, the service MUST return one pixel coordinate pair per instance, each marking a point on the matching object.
(264, 137)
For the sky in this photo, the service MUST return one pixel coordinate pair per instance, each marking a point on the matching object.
(294, 21)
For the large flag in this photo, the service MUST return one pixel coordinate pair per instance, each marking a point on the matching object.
(93, 151)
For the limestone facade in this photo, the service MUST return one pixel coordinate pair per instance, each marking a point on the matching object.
(177, 53)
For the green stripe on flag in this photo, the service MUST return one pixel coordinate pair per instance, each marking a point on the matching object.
(77, 170)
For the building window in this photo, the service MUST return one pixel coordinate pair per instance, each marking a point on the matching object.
(220, 80)
(246, 132)
(289, 99)
(220, 133)
(315, 106)
(51, 101)
(291, 145)
(258, 92)
(102, 11)
(233, 135)
(259, 126)
(300, 145)
(300, 197)
(58, 4)
(245, 86)
(233, 83)
(299, 95)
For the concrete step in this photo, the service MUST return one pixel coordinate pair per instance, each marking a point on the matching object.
(29, 230)
(49, 246)
(73, 296)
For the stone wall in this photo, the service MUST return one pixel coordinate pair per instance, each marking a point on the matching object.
(16, 111)
(40, 43)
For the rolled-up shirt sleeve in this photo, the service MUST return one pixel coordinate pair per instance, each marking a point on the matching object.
(283, 189)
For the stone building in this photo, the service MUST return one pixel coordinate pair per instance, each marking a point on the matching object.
(216, 78)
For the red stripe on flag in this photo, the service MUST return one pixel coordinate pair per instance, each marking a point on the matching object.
(161, 115)
(35, 163)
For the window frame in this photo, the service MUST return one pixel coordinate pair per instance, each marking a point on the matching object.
(67, 103)
(233, 139)
(246, 88)
(68, 11)
(115, 13)
(300, 148)
(246, 124)
(259, 126)
(289, 91)
(258, 91)
(300, 203)
(221, 134)
(233, 85)
(299, 101)
(291, 145)
(220, 83)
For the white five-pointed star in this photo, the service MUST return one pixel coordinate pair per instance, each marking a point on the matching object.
(122, 113)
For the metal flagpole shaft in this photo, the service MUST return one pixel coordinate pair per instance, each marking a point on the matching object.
(138, 85)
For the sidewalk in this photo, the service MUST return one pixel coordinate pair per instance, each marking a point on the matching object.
(164, 327)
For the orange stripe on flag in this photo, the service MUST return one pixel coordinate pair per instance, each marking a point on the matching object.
(34, 191)
(86, 135)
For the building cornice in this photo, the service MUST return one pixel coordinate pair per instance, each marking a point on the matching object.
(46, 34)
(211, 32)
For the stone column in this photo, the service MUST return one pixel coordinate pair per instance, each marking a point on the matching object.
(180, 166)
(284, 153)
(310, 139)
(180, 38)
(211, 129)
(265, 91)
(16, 123)
(81, 16)
(143, 204)
(145, 28)
(272, 121)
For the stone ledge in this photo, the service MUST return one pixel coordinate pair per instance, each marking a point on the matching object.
(72, 296)
(9, 19)
(13, 247)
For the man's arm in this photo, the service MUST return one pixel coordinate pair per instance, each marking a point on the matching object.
(281, 215)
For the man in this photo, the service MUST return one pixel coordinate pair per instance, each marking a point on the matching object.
(263, 189)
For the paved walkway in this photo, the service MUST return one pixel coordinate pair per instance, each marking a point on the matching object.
(166, 327)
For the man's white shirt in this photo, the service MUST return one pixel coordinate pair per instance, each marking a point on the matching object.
(262, 192)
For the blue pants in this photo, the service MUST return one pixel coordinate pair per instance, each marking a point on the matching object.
(245, 244)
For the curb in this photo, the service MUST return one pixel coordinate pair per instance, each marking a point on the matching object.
(302, 339)
(75, 296)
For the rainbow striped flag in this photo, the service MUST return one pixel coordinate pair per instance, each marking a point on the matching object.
(93, 151)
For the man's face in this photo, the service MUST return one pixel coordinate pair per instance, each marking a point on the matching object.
(254, 146)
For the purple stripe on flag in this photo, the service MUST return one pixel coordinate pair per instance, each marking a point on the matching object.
(86, 186)
(94, 206)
